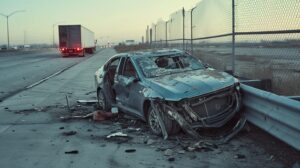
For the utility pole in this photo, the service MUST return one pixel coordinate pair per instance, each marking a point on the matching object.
(167, 33)
(155, 34)
(147, 35)
(151, 34)
(183, 27)
(7, 24)
(233, 37)
(192, 27)
(24, 38)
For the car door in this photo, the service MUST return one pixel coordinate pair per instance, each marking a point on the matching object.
(127, 87)
(109, 75)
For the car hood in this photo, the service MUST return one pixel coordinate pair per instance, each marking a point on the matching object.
(189, 84)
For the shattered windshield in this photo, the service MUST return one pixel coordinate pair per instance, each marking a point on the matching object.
(164, 65)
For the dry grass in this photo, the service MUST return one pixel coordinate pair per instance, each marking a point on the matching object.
(284, 74)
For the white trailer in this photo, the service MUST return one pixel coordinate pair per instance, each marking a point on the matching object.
(75, 40)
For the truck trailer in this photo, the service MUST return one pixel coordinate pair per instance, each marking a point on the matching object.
(75, 40)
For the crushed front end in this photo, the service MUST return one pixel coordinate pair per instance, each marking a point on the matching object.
(209, 111)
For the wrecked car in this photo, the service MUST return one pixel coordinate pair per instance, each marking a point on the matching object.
(170, 90)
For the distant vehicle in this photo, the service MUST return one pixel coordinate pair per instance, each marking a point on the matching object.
(14, 47)
(75, 40)
(3, 47)
(184, 90)
(130, 42)
(27, 46)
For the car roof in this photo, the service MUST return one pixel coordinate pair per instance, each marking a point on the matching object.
(151, 53)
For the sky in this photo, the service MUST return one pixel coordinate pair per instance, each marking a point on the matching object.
(110, 20)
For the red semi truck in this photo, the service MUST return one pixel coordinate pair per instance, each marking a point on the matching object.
(75, 40)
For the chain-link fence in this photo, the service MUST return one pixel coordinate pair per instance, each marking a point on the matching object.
(255, 39)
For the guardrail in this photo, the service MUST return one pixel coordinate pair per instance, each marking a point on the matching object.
(278, 115)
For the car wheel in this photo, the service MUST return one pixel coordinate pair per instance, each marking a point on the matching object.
(102, 101)
(171, 125)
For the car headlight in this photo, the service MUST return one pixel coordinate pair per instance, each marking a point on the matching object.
(237, 84)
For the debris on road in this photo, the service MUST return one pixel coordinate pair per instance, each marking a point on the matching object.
(130, 150)
(87, 102)
(117, 134)
(118, 137)
(91, 92)
(96, 116)
(72, 152)
(69, 133)
(171, 159)
(168, 152)
(61, 128)
(239, 156)
(150, 141)
(181, 152)
(114, 110)
(101, 115)
(202, 146)
(68, 105)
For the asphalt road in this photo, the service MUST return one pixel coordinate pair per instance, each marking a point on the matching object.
(31, 131)
(21, 69)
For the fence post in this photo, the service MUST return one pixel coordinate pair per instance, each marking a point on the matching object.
(192, 38)
(151, 45)
(167, 34)
(233, 37)
(183, 27)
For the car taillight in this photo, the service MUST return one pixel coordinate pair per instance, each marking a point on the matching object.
(62, 49)
(78, 49)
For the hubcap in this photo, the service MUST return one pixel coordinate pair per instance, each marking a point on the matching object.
(153, 122)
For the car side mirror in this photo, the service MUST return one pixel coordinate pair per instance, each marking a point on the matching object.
(131, 80)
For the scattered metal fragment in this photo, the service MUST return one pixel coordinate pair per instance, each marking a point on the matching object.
(61, 128)
(87, 102)
(118, 137)
(69, 133)
(150, 141)
(239, 156)
(114, 110)
(91, 92)
(72, 152)
(117, 134)
(168, 152)
(171, 159)
(181, 152)
(68, 105)
(237, 128)
(130, 150)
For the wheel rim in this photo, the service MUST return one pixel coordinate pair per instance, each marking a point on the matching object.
(101, 100)
(153, 122)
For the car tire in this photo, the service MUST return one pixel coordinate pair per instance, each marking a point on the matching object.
(102, 101)
(171, 125)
